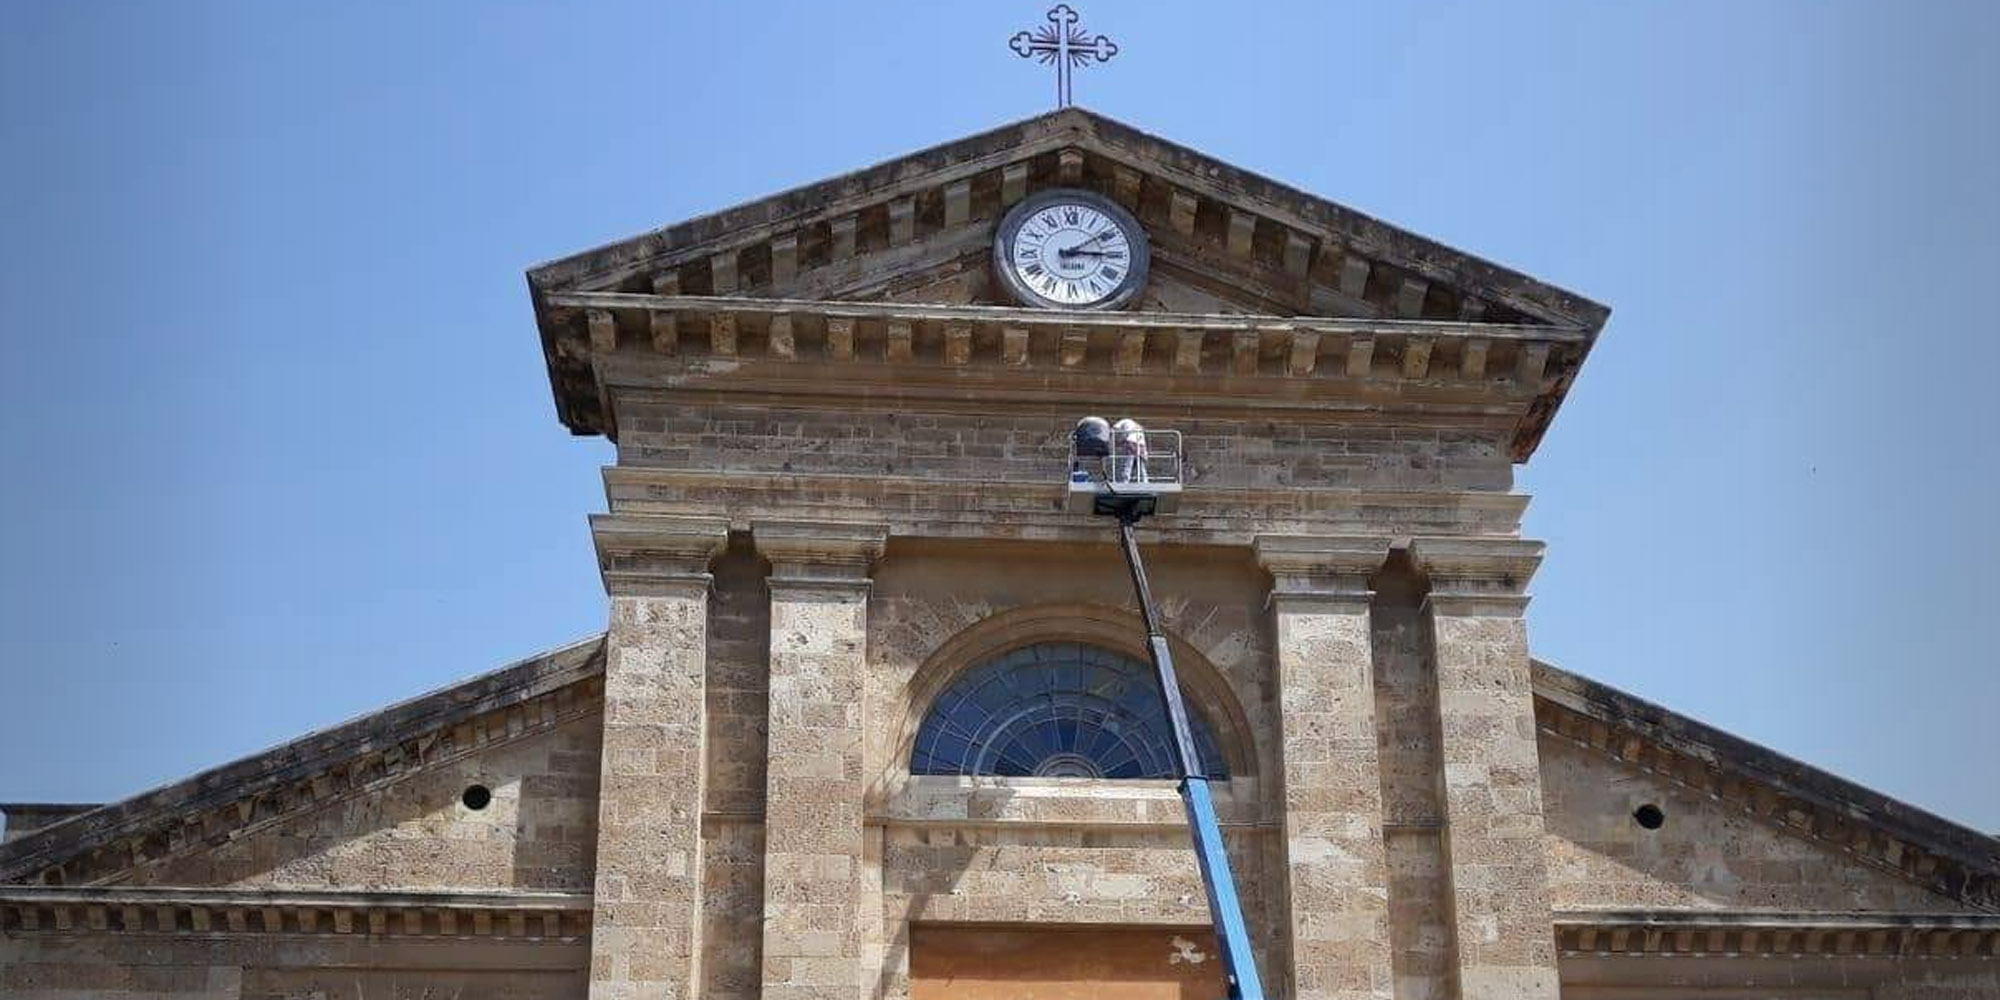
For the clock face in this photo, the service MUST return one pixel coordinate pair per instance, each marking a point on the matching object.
(1068, 249)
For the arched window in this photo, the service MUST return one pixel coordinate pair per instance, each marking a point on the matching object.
(1057, 710)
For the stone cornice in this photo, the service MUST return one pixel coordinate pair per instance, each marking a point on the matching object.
(1895, 837)
(1477, 576)
(1412, 368)
(1321, 567)
(1738, 934)
(129, 910)
(702, 310)
(233, 800)
(640, 555)
(920, 507)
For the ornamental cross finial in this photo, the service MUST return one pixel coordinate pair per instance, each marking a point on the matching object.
(1063, 42)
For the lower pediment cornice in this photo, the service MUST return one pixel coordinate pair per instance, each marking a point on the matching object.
(1514, 375)
(1741, 934)
(359, 913)
(915, 507)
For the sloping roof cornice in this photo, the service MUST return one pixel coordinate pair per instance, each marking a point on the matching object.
(225, 802)
(1954, 861)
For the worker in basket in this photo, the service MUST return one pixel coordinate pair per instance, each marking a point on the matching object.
(1129, 461)
(1090, 443)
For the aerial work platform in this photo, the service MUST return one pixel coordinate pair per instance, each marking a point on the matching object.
(1126, 472)
(1142, 475)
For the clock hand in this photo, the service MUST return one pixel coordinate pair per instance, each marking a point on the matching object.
(1072, 251)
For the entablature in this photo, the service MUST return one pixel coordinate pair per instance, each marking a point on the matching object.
(1506, 376)
(914, 507)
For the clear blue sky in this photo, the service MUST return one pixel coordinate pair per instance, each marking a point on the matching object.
(279, 447)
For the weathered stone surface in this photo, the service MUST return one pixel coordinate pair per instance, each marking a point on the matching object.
(883, 439)
(813, 835)
(1703, 856)
(646, 941)
(1337, 873)
(1493, 827)
(539, 830)
(1420, 923)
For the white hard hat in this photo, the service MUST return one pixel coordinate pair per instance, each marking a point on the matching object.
(1127, 424)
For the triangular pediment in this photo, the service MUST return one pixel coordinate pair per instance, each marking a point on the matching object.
(918, 230)
(1737, 826)
(1222, 235)
(360, 803)
(961, 275)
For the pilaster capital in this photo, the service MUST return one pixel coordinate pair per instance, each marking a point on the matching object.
(1477, 576)
(1321, 567)
(641, 555)
(819, 553)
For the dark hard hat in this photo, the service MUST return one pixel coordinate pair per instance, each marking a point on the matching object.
(1092, 436)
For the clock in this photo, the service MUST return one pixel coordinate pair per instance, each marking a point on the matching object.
(1070, 249)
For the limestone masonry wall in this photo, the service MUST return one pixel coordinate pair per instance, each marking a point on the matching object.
(1406, 716)
(538, 832)
(1065, 876)
(1030, 447)
(1075, 854)
(739, 615)
(1704, 855)
(739, 631)
(928, 593)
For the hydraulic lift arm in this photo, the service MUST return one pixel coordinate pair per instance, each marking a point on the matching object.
(1238, 964)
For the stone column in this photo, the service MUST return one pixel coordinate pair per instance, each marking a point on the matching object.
(813, 837)
(1494, 854)
(1336, 869)
(645, 934)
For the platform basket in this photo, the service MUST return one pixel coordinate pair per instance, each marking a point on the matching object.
(1148, 482)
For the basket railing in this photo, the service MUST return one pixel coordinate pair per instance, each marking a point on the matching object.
(1149, 459)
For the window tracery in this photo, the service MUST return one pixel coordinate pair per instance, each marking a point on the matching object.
(1058, 710)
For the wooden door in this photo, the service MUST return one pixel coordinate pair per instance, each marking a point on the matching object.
(1063, 963)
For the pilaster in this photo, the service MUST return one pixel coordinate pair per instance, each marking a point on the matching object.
(1335, 864)
(814, 841)
(645, 934)
(1492, 770)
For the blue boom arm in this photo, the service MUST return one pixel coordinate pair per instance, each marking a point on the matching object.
(1223, 907)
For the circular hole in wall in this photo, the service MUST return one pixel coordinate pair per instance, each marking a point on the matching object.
(1649, 816)
(476, 797)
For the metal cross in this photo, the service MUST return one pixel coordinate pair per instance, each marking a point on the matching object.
(1063, 43)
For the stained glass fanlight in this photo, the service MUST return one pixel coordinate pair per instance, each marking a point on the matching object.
(1056, 710)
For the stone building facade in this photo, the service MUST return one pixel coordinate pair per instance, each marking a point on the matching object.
(835, 515)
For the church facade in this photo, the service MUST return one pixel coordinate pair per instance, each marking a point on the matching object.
(870, 720)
